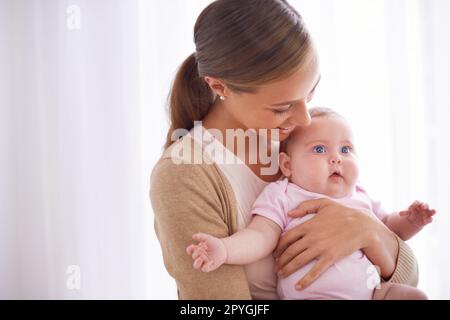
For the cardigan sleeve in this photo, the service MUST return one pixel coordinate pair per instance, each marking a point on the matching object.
(188, 198)
(406, 270)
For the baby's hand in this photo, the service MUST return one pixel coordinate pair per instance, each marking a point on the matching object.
(209, 254)
(419, 214)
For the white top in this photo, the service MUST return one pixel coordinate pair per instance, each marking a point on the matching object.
(246, 186)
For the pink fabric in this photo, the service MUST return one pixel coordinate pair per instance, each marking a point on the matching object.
(353, 277)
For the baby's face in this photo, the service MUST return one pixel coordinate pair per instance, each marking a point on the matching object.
(321, 157)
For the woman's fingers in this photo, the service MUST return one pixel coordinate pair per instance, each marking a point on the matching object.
(320, 267)
(289, 238)
(308, 207)
(291, 252)
(299, 261)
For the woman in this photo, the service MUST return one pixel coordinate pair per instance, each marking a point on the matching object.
(255, 67)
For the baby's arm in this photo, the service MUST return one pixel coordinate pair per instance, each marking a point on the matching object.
(248, 245)
(408, 223)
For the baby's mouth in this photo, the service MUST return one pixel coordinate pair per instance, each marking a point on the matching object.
(336, 175)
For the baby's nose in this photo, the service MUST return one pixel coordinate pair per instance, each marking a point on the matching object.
(335, 160)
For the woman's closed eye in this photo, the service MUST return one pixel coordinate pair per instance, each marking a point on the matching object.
(283, 110)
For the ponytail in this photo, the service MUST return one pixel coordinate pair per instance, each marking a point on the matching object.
(190, 98)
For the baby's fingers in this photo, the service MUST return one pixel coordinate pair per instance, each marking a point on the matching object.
(200, 237)
(404, 213)
(190, 249)
(207, 267)
(427, 213)
(416, 204)
(198, 263)
(198, 252)
(201, 261)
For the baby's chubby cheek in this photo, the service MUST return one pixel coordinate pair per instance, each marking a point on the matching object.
(351, 173)
(311, 176)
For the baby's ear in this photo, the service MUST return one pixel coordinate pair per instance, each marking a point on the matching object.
(285, 164)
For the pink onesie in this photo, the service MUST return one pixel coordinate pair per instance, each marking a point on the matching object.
(353, 277)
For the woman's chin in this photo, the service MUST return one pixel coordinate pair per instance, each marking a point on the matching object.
(280, 135)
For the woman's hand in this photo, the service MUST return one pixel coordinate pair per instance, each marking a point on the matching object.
(336, 232)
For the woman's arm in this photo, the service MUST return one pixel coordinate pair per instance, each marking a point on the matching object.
(336, 232)
(406, 269)
(382, 248)
(187, 199)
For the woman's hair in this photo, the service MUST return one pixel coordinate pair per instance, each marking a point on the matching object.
(245, 43)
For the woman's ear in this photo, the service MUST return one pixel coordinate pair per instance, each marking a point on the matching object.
(217, 86)
(285, 164)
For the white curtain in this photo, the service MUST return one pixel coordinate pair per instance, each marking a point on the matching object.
(83, 85)
(73, 186)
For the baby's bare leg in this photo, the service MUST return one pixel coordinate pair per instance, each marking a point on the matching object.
(395, 291)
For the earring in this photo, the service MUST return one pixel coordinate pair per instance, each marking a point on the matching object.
(222, 98)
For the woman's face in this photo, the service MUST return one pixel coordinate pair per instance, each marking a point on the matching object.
(279, 105)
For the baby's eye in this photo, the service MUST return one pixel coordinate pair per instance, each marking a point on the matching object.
(319, 149)
(346, 149)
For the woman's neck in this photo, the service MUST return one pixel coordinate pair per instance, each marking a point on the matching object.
(218, 118)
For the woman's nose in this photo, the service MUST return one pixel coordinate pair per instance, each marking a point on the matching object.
(301, 116)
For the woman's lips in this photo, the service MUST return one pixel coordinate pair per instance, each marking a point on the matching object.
(286, 130)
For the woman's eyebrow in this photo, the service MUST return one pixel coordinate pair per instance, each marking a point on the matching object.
(281, 104)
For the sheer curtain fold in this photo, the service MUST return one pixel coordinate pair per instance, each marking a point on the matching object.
(74, 151)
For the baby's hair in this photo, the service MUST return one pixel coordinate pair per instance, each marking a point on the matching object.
(315, 112)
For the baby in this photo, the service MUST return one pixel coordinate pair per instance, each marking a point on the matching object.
(318, 161)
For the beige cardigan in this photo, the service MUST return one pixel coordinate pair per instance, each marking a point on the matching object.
(189, 198)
